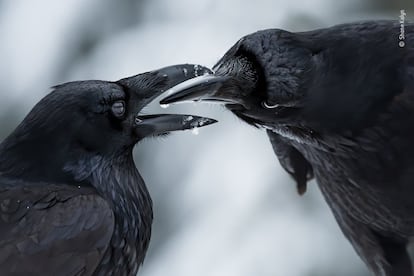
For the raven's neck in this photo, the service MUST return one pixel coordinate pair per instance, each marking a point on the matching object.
(119, 182)
(34, 157)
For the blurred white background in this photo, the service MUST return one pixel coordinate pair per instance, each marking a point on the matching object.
(223, 206)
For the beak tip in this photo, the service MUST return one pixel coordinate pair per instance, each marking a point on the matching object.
(196, 121)
(165, 101)
(173, 100)
(209, 122)
(200, 70)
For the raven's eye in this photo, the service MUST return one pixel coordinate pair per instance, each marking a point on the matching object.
(118, 108)
(269, 106)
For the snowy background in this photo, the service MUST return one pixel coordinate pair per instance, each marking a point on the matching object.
(223, 206)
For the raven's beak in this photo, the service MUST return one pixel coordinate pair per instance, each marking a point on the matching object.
(152, 84)
(152, 125)
(233, 81)
(209, 88)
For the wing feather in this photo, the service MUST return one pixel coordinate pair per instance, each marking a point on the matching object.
(52, 229)
(292, 161)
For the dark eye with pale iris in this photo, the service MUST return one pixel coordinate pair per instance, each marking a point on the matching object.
(118, 108)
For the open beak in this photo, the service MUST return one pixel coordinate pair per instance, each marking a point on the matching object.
(150, 85)
(157, 124)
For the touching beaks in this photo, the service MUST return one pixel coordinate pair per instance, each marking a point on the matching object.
(150, 85)
(156, 124)
(208, 87)
(158, 81)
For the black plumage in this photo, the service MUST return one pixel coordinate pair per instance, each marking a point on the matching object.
(71, 199)
(337, 105)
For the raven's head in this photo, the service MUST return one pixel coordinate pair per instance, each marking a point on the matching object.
(310, 80)
(260, 76)
(93, 118)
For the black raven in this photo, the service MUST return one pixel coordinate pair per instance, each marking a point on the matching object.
(71, 199)
(338, 105)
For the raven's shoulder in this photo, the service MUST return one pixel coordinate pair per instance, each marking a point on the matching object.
(45, 227)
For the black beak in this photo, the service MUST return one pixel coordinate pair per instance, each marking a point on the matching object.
(234, 80)
(157, 124)
(152, 84)
(204, 88)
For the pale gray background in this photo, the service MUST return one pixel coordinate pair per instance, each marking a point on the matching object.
(223, 206)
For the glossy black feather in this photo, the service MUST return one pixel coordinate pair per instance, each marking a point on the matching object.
(352, 86)
(337, 104)
(292, 161)
(52, 229)
(72, 201)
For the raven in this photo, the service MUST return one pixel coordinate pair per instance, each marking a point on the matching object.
(71, 199)
(338, 105)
